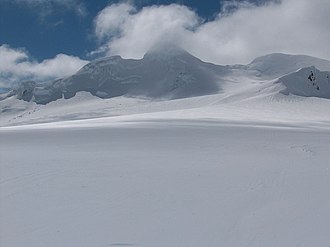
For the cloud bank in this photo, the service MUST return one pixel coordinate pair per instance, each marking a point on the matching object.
(288, 26)
(16, 65)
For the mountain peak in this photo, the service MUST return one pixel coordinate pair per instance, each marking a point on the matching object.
(166, 50)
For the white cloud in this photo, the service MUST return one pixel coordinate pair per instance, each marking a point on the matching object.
(134, 32)
(111, 19)
(289, 26)
(16, 65)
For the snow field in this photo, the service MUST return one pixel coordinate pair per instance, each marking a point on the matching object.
(164, 183)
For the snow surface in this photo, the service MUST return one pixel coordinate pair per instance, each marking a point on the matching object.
(246, 166)
(189, 172)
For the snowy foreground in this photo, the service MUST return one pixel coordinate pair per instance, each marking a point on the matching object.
(196, 173)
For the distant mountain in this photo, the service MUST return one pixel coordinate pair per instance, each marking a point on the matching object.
(169, 72)
(278, 64)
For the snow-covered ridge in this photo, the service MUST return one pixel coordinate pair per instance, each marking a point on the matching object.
(278, 64)
(309, 82)
(169, 72)
(165, 74)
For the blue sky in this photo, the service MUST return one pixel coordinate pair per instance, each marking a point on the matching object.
(47, 39)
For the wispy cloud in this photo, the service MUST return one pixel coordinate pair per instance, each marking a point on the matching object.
(239, 33)
(45, 8)
(17, 65)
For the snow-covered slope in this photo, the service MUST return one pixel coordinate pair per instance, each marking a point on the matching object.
(277, 64)
(309, 82)
(254, 172)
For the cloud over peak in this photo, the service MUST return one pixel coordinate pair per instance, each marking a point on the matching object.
(240, 32)
(131, 32)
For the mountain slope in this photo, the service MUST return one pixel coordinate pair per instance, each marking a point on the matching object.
(168, 73)
(300, 83)
(278, 64)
